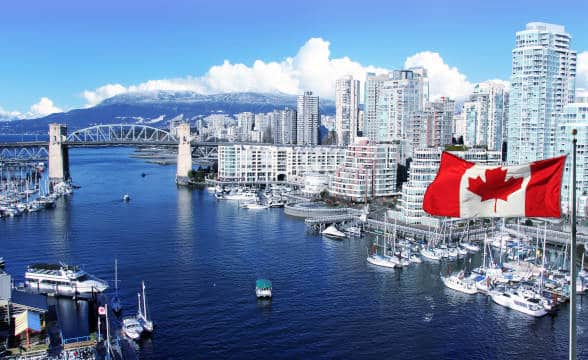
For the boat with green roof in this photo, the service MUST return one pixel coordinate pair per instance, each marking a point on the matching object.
(263, 288)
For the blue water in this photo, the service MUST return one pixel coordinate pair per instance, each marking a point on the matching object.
(200, 258)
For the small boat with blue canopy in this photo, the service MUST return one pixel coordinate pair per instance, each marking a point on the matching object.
(263, 288)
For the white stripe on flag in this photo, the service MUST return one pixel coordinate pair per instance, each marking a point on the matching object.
(471, 204)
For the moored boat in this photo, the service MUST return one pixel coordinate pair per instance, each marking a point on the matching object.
(131, 328)
(332, 232)
(62, 279)
(460, 283)
(142, 312)
(383, 260)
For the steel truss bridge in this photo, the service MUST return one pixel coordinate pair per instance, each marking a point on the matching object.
(106, 135)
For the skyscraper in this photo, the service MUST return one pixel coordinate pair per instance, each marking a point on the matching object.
(574, 116)
(245, 121)
(402, 96)
(439, 122)
(347, 110)
(307, 119)
(284, 126)
(372, 89)
(485, 115)
(542, 83)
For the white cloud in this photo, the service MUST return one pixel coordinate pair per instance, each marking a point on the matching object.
(312, 68)
(43, 108)
(101, 93)
(443, 79)
(9, 115)
(582, 70)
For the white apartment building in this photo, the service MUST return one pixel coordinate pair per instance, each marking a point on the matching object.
(542, 83)
(368, 171)
(307, 119)
(423, 169)
(265, 163)
(574, 116)
(486, 116)
(346, 110)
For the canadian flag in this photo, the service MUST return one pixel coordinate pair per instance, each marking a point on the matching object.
(467, 190)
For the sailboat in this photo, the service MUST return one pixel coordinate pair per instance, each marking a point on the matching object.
(115, 301)
(142, 312)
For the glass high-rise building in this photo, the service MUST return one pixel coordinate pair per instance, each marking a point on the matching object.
(542, 83)
(307, 119)
(346, 110)
(284, 126)
(485, 115)
(574, 117)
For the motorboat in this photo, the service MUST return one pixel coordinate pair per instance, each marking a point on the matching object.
(62, 279)
(515, 301)
(332, 232)
(132, 328)
(256, 206)
(142, 312)
(460, 283)
(126, 197)
(263, 288)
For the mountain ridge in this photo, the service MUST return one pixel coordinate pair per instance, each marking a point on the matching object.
(144, 107)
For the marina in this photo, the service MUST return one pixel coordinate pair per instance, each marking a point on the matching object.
(214, 250)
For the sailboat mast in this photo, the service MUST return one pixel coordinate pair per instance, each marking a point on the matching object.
(144, 301)
(543, 259)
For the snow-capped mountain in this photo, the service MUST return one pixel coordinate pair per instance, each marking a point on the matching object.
(157, 108)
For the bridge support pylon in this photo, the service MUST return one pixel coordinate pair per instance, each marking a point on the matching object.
(58, 154)
(184, 154)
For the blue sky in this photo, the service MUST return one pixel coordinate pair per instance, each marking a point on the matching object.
(58, 49)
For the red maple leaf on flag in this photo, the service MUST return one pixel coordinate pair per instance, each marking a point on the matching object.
(496, 186)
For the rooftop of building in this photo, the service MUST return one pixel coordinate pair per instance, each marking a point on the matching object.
(541, 26)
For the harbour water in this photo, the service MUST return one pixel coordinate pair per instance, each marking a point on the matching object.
(200, 258)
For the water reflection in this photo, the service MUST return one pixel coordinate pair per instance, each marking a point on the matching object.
(185, 225)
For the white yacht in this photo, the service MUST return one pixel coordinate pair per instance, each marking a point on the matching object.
(240, 195)
(460, 283)
(132, 328)
(256, 206)
(62, 279)
(515, 301)
(332, 232)
(384, 261)
(142, 313)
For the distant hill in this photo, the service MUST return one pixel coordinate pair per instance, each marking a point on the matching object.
(157, 108)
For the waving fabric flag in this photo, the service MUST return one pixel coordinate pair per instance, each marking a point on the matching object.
(466, 190)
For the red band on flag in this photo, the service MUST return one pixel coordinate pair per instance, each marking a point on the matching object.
(544, 190)
(442, 196)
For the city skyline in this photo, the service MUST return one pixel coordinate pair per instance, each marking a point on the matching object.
(90, 52)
